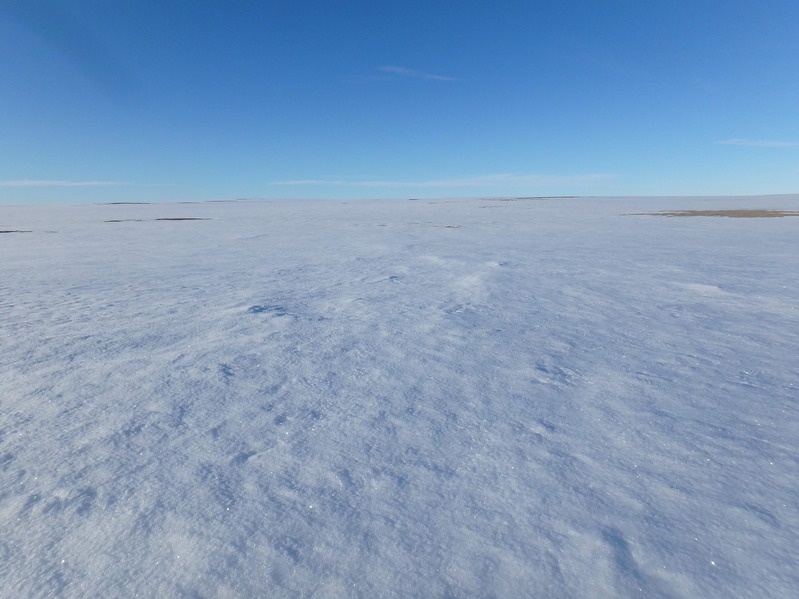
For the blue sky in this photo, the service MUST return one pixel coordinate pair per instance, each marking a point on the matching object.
(158, 101)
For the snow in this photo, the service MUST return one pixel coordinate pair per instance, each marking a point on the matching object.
(462, 398)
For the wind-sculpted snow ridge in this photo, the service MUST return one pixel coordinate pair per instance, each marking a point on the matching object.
(739, 213)
(400, 399)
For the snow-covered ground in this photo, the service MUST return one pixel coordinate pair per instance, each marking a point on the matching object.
(473, 398)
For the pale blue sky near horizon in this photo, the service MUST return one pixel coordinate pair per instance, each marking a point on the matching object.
(196, 100)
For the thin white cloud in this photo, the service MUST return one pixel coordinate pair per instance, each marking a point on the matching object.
(757, 143)
(52, 183)
(414, 74)
(500, 180)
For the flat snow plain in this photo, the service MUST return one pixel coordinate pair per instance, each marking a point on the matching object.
(471, 398)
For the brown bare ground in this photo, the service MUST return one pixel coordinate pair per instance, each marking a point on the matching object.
(742, 213)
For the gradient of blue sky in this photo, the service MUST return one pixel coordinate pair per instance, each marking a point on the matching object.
(143, 101)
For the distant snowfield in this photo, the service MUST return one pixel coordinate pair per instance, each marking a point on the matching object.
(475, 398)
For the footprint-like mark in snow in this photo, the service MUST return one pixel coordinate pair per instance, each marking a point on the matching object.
(292, 548)
(83, 501)
(455, 308)
(267, 309)
(30, 502)
(243, 457)
(630, 576)
(5, 461)
(218, 486)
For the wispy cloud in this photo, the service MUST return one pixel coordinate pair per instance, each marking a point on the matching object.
(500, 180)
(758, 143)
(414, 74)
(52, 183)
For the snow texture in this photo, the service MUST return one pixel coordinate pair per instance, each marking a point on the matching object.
(465, 398)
